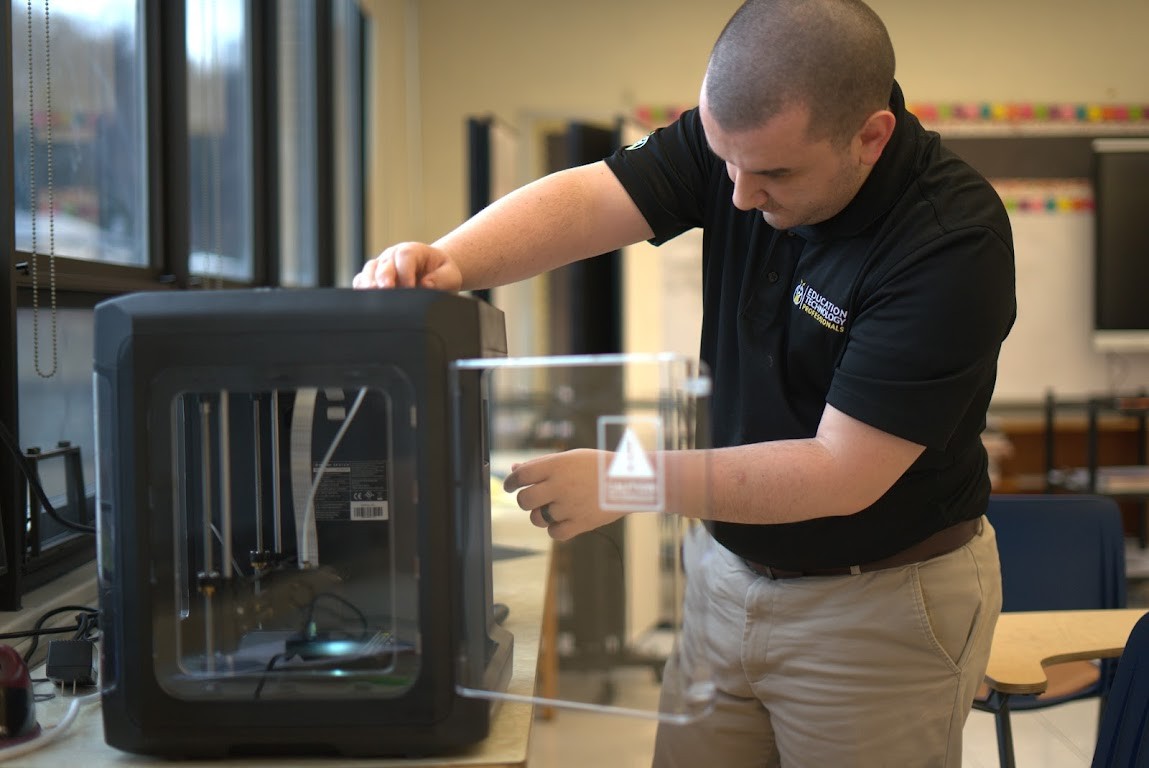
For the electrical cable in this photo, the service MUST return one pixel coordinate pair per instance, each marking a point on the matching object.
(270, 666)
(87, 622)
(309, 622)
(51, 733)
(37, 629)
(89, 626)
(22, 462)
(309, 519)
(35, 633)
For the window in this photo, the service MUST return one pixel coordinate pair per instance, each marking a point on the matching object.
(58, 409)
(298, 158)
(349, 160)
(150, 140)
(219, 139)
(80, 157)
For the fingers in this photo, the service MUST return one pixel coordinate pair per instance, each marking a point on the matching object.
(541, 519)
(445, 277)
(377, 273)
(534, 481)
(523, 479)
(557, 528)
(406, 265)
(533, 498)
(524, 474)
(397, 267)
(410, 265)
(545, 514)
(550, 516)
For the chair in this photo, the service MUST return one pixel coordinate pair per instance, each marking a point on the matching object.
(1123, 736)
(1058, 552)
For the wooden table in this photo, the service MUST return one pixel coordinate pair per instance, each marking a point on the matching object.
(520, 582)
(1025, 641)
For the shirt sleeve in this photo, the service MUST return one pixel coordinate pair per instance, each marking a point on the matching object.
(924, 345)
(667, 174)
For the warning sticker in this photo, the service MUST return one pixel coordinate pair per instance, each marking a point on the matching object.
(630, 467)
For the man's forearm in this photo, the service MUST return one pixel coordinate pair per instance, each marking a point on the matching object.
(845, 468)
(783, 481)
(556, 220)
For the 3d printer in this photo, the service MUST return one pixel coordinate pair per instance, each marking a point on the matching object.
(294, 511)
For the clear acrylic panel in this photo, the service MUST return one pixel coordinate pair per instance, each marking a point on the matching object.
(611, 445)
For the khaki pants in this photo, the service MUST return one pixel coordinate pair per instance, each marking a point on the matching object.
(874, 669)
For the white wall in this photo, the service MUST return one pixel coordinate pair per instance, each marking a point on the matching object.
(528, 61)
(525, 59)
(1020, 50)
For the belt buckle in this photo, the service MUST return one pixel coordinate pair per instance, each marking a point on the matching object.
(758, 569)
(774, 574)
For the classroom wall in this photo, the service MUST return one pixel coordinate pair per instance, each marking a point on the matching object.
(534, 62)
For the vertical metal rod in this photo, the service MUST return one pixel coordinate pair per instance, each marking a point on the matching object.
(183, 467)
(206, 515)
(276, 501)
(206, 484)
(225, 527)
(258, 443)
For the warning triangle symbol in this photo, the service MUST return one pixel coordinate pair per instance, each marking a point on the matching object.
(629, 458)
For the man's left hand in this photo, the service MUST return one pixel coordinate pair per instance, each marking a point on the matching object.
(561, 492)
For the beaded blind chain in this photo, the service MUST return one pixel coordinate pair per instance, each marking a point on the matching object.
(32, 197)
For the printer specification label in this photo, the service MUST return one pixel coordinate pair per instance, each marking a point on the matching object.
(369, 490)
(354, 490)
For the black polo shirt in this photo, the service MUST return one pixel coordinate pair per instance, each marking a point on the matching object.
(893, 311)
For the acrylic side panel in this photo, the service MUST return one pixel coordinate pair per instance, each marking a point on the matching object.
(614, 437)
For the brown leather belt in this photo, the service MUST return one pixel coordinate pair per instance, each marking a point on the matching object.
(940, 543)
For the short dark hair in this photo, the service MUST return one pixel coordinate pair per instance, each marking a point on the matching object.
(833, 56)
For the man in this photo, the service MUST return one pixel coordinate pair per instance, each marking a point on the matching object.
(858, 284)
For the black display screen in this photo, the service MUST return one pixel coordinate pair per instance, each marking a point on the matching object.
(1121, 254)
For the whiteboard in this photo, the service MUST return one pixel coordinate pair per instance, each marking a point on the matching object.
(1051, 344)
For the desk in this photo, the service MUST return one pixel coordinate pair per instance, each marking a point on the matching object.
(521, 582)
(1025, 641)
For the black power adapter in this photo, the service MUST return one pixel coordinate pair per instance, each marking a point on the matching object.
(71, 663)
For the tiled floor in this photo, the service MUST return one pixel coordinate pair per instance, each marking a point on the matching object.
(1055, 737)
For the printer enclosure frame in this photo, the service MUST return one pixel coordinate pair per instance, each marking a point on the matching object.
(284, 340)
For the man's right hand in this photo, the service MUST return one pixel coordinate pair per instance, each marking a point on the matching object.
(411, 265)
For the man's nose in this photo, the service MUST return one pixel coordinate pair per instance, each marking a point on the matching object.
(746, 193)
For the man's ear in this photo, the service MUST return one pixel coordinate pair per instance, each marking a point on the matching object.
(874, 135)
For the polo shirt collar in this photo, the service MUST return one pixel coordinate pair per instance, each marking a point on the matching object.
(882, 188)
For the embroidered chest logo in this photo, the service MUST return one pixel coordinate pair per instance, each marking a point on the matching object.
(819, 307)
(641, 142)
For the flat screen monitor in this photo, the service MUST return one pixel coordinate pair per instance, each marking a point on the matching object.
(1121, 244)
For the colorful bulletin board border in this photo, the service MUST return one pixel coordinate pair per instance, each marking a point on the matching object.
(1014, 113)
(976, 113)
(653, 116)
(1046, 196)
